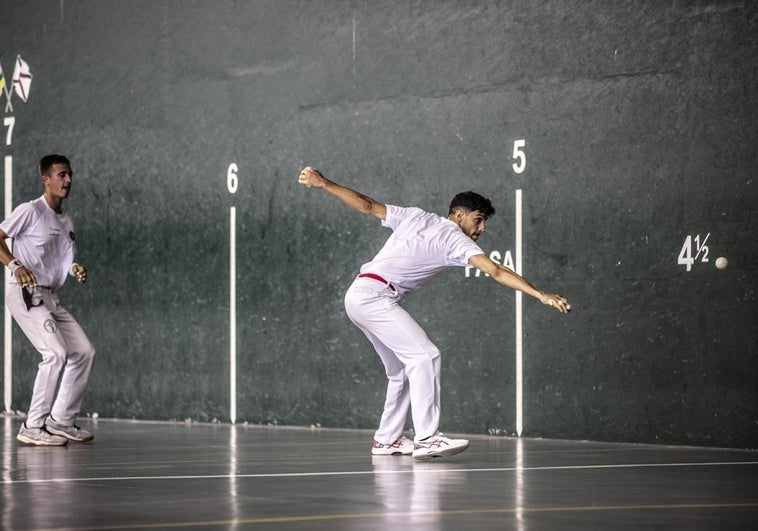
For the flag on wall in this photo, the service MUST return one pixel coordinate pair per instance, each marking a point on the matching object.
(22, 79)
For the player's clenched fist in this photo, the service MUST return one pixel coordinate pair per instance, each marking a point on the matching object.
(79, 272)
(312, 177)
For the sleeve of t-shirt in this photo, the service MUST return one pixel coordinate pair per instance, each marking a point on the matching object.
(396, 215)
(461, 249)
(19, 220)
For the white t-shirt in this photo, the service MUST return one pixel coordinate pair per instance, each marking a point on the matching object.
(42, 240)
(421, 246)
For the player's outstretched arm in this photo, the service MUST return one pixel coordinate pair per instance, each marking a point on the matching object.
(311, 177)
(506, 277)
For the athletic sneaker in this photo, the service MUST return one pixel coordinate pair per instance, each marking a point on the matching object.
(402, 446)
(72, 433)
(39, 437)
(438, 445)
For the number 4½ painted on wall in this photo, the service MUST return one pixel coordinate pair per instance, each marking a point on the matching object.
(685, 255)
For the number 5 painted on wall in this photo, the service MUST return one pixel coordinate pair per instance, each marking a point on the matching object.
(519, 156)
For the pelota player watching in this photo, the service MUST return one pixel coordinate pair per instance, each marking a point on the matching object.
(43, 256)
(421, 246)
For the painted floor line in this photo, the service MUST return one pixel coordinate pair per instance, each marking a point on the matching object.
(462, 512)
(412, 470)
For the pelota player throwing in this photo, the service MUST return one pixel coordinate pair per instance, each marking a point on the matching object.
(421, 246)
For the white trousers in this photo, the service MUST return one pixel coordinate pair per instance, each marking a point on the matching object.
(412, 362)
(65, 349)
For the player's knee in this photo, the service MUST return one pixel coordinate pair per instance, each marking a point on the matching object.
(432, 352)
(54, 358)
(82, 355)
(396, 374)
(88, 354)
(424, 358)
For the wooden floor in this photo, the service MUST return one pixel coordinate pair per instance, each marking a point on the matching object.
(144, 475)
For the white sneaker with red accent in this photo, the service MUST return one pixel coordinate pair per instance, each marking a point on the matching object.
(402, 446)
(437, 446)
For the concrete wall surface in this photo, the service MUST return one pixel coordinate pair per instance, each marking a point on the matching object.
(629, 129)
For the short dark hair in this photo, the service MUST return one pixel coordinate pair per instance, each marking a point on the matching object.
(46, 163)
(472, 201)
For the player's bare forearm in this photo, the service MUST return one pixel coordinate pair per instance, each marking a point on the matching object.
(504, 276)
(5, 253)
(24, 276)
(362, 203)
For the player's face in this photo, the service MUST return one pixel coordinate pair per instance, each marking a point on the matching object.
(58, 181)
(472, 224)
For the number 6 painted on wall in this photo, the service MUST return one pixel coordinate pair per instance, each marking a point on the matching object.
(231, 178)
(519, 156)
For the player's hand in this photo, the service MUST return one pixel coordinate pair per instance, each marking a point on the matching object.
(25, 277)
(556, 301)
(312, 177)
(80, 273)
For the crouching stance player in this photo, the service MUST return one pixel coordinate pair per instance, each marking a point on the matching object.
(43, 256)
(420, 247)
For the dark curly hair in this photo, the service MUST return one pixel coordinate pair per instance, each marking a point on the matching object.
(471, 201)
